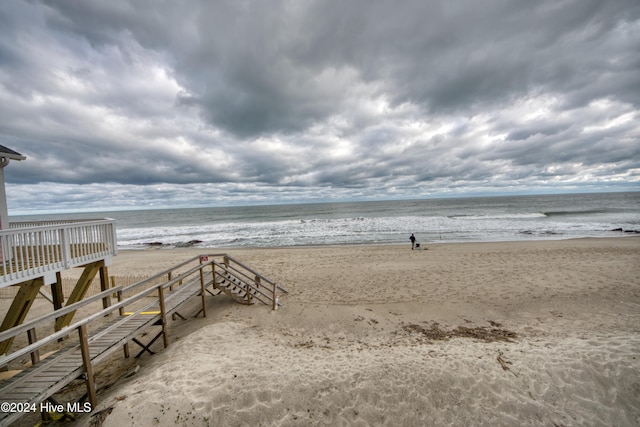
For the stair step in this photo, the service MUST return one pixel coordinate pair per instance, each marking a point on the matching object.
(237, 289)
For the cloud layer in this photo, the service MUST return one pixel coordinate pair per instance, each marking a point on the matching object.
(126, 104)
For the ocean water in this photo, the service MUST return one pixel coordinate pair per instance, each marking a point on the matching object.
(380, 222)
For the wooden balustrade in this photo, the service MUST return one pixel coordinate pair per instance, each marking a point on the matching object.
(30, 250)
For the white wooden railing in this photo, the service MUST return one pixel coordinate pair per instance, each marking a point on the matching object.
(40, 249)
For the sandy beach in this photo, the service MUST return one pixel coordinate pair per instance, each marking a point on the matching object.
(514, 333)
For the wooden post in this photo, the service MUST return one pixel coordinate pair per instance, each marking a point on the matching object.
(119, 296)
(204, 308)
(274, 294)
(57, 293)
(125, 346)
(213, 273)
(112, 281)
(88, 366)
(163, 314)
(35, 354)
(256, 281)
(65, 246)
(104, 285)
(79, 291)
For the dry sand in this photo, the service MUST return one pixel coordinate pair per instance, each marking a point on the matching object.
(519, 333)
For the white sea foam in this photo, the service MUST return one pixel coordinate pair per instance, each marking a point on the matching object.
(437, 220)
(379, 230)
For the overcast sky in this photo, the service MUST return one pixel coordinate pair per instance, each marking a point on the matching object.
(139, 104)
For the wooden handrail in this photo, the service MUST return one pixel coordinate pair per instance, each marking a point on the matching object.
(16, 330)
(249, 283)
(140, 295)
(158, 275)
(66, 330)
(251, 270)
(35, 250)
(9, 333)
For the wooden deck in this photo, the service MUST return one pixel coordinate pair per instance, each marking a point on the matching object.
(32, 250)
(76, 360)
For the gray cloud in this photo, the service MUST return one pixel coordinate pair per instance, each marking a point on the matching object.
(286, 101)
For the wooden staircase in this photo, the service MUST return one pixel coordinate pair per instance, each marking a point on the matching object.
(227, 284)
(236, 280)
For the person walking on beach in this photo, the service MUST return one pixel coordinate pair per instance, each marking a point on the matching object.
(413, 241)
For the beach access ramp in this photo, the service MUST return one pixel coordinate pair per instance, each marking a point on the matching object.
(138, 309)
